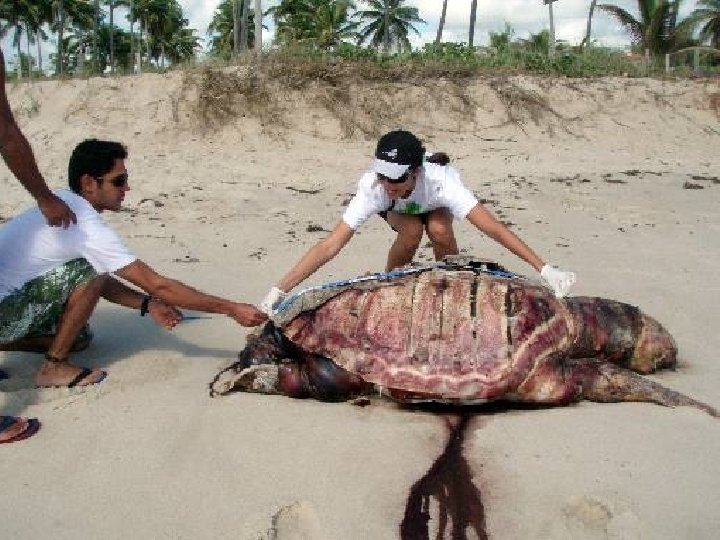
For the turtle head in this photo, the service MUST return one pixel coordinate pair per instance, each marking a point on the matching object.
(267, 347)
(257, 367)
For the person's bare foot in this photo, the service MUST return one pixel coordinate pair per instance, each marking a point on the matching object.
(63, 373)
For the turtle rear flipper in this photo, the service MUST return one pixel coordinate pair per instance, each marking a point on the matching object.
(607, 383)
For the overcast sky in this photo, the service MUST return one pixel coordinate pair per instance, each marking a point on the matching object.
(525, 16)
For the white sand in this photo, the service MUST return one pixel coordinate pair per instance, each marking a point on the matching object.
(147, 454)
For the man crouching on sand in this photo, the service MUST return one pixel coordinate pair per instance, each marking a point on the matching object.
(51, 279)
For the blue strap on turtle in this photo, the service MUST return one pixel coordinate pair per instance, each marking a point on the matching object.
(479, 267)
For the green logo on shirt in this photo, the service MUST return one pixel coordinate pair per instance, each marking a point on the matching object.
(412, 208)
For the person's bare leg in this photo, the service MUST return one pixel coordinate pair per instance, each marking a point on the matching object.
(440, 231)
(409, 233)
(41, 344)
(80, 305)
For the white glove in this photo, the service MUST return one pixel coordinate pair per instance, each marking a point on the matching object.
(559, 280)
(271, 301)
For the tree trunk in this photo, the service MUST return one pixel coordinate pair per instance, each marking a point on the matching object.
(443, 13)
(19, 56)
(39, 51)
(551, 45)
(61, 48)
(236, 27)
(112, 39)
(473, 15)
(386, 34)
(132, 35)
(141, 34)
(27, 46)
(80, 68)
(95, 37)
(586, 40)
(258, 27)
(244, 25)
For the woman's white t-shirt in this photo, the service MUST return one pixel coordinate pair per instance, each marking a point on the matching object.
(437, 186)
(30, 248)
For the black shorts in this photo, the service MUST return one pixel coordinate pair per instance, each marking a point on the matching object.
(423, 217)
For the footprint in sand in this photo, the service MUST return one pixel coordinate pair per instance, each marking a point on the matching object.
(589, 518)
(297, 521)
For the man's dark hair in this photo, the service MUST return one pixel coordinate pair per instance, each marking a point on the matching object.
(93, 157)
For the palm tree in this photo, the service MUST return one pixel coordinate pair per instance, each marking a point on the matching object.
(443, 14)
(157, 20)
(258, 27)
(390, 23)
(96, 21)
(221, 29)
(237, 14)
(103, 38)
(707, 14)
(334, 23)
(586, 39)
(317, 23)
(181, 45)
(131, 16)
(551, 41)
(143, 11)
(167, 35)
(290, 18)
(44, 18)
(244, 25)
(473, 16)
(657, 30)
(20, 16)
(76, 13)
(112, 4)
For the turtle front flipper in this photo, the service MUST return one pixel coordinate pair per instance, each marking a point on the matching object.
(320, 378)
(608, 383)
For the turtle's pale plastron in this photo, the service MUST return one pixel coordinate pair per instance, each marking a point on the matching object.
(460, 335)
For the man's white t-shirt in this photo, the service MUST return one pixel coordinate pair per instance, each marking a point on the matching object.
(30, 248)
(437, 186)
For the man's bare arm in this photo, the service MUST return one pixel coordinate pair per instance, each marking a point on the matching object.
(178, 294)
(117, 292)
(18, 155)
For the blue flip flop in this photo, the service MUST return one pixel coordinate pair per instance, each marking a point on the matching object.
(32, 428)
(84, 372)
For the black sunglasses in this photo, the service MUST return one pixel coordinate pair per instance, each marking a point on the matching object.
(398, 180)
(119, 181)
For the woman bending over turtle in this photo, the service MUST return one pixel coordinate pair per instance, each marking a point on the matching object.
(414, 194)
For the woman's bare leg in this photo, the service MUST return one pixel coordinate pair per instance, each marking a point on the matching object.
(409, 234)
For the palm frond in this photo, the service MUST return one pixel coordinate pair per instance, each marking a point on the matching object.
(626, 20)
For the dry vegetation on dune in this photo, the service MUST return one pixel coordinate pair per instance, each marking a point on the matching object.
(364, 99)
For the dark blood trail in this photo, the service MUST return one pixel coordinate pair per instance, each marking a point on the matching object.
(449, 482)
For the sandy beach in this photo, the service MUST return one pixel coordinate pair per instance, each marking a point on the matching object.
(615, 179)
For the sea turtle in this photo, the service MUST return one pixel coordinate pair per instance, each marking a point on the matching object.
(458, 333)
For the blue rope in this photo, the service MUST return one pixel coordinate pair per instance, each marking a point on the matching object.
(385, 276)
